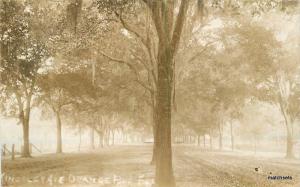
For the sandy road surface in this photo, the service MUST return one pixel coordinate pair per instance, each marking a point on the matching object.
(198, 168)
(129, 166)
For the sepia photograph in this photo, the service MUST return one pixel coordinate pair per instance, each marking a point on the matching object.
(150, 93)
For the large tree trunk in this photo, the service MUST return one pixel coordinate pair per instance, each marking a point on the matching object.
(210, 141)
(289, 140)
(289, 131)
(153, 160)
(79, 145)
(24, 116)
(26, 143)
(231, 137)
(92, 138)
(107, 134)
(220, 137)
(113, 137)
(285, 87)
(58, 133)
(101, 139)
(169, 34)
(164, 171)
(154, 121)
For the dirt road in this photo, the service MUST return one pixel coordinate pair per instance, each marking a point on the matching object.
(129, 166)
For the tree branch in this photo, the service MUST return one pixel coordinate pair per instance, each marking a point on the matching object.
(144, 41)
(127, 27)
(155, 7)
(200, 52)
(131, 67)
(179, 25)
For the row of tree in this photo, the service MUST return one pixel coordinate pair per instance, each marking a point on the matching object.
(144, 64)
